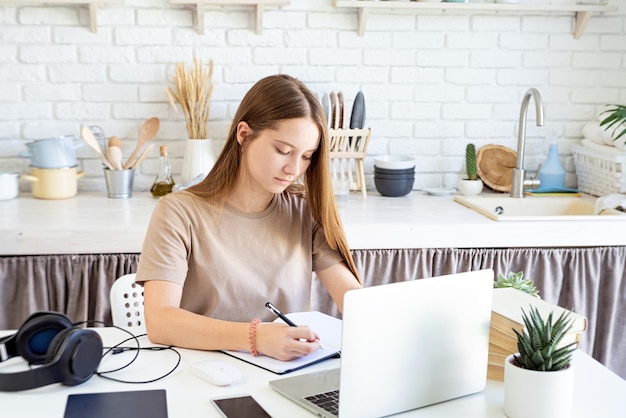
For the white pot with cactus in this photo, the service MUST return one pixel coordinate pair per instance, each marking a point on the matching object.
(470, 185)
(192, 93)
(539, 380)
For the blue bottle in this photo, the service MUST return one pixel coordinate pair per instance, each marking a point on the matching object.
(552, 173)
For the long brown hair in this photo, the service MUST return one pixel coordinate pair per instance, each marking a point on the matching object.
(269, 101)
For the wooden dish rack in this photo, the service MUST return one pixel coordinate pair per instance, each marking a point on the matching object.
(347, 153)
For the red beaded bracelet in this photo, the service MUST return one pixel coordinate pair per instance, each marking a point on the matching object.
(252, 336)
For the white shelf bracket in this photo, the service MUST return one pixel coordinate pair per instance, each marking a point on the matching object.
(363, 15)
(93, 17)
(580, 21)
(200, 18)
(259, 19)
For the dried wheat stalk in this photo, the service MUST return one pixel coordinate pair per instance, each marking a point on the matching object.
(192, 91)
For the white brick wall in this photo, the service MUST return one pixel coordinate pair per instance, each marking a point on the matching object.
(432, 81)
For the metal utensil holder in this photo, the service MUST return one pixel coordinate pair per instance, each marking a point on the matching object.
(347, 153)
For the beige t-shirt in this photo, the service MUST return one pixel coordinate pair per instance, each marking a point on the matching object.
(231, 263)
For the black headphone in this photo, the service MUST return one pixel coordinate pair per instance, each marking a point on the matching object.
(67, 355)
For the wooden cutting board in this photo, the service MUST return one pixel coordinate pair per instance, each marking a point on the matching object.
(495, 166)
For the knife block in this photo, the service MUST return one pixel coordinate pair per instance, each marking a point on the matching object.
(347, 149)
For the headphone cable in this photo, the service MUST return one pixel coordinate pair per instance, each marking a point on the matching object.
(117, 349)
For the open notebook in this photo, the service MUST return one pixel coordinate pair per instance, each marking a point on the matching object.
(327, 327)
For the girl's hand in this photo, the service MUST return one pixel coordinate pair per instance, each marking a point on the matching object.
(284, 342)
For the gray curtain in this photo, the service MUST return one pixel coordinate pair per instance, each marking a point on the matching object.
(591, 281)
(77, 285)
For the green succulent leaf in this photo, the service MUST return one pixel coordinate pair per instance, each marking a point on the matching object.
(538, 343)
(516, 281)
(615, 120)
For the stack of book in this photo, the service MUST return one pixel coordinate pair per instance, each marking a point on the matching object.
(506, 315)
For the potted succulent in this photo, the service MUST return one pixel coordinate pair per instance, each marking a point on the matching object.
(539, 379)
(516, 281)
(616, 120)
(470, 185)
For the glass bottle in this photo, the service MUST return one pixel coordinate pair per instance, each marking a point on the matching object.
(163, 182)
(552, 174)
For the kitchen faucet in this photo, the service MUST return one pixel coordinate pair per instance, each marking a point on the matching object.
(519, 180)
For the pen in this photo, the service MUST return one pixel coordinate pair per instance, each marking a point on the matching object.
(279, 314)
(288, 321)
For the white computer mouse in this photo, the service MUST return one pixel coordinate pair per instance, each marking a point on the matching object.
(217, 372)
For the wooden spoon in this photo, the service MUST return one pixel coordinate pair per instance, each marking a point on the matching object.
(147, 131)
(91, 140)
(115, 141)
(115, 156)
(143, 155)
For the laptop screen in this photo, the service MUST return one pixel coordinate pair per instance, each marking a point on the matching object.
(406, 345)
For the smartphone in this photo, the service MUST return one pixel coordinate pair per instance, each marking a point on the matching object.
(242, 406)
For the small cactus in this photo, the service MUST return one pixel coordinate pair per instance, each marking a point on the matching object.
(470, 162)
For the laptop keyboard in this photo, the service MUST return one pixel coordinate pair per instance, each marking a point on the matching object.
(328, 401)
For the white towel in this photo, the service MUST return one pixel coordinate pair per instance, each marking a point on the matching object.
(594, 133)
(610, 201)
(602, 148)
(620, 143)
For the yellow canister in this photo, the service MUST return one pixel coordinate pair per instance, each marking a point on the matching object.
(53, 183)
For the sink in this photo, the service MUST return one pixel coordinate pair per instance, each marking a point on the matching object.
(552, 208)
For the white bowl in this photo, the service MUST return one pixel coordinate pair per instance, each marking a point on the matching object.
(394, 162)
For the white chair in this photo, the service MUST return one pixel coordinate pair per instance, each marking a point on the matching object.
(127, 304)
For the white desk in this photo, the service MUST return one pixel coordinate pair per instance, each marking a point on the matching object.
(598, 392)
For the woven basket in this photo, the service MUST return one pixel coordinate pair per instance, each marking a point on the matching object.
(599, 173)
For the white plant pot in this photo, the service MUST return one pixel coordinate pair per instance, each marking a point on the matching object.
(533, 394)
(198, 159)
(470, 187)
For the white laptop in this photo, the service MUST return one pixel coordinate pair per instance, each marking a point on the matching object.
(405, 345)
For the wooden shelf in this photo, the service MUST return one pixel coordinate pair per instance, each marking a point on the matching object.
(93, 7)
(582, 12)
(258, 4)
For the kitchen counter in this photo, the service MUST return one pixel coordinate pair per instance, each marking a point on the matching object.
(64, 255)
(92, 223)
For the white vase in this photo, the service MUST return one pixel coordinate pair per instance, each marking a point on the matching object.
(470, 187)
(533, 394)
(198, 159)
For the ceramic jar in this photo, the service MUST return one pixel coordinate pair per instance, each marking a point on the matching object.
(8, 186)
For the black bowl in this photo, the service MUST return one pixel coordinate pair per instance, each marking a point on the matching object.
(407, 176)
(394, 188)
(378, 170)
